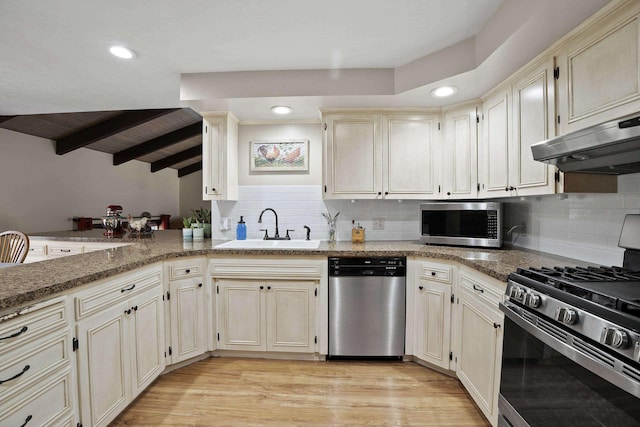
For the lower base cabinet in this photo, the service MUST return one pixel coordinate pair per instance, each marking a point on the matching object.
(120, 348)
(266, 315)
(479, 348)
(432, 326)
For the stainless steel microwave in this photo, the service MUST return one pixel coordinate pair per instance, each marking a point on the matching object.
(461, 224)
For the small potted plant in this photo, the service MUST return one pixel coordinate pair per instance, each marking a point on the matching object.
(203, 216)
(187, 231)
(198, 229)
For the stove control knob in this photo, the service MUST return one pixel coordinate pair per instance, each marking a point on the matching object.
(517, 293)
(566, 315)
(532, 300)
(616, 338)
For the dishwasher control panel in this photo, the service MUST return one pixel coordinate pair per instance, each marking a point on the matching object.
(368, 266)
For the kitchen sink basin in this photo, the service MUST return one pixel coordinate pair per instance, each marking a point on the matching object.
(269, 244)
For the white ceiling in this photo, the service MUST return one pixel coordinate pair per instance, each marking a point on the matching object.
(222, 54)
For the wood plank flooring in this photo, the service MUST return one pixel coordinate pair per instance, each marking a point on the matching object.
(257, 392)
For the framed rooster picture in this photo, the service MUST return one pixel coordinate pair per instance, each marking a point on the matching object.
(288, 155)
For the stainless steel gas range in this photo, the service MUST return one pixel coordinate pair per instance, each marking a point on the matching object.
(571, 351)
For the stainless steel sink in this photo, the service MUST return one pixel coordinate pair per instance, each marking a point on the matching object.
(269, 244)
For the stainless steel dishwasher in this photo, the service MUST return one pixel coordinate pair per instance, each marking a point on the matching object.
(367, 306)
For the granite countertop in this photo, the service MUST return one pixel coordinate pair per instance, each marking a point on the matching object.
(26, 283)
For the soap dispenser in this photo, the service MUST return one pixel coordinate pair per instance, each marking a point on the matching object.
(241, 230)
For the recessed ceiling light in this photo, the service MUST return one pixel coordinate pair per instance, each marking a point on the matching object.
(444, 91)
(281, 109)
(122, 52)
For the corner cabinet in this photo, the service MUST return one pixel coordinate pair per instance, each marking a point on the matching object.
(377, 156)
(479, 339)
(432, 327)
(120, 344)
(267, 304)
(219, 156)
(188, 312)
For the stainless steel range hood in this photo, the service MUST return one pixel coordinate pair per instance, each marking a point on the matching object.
(611, 148)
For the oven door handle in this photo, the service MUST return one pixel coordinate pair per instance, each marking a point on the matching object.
(606, 372)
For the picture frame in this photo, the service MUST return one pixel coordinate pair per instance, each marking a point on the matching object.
(280, 155)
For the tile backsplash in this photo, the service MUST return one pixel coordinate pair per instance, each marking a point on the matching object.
(580, 226)
(300, 205)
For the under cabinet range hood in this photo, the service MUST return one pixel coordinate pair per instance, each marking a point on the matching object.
(611, 148)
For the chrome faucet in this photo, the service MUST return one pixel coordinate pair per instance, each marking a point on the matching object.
(277, 235)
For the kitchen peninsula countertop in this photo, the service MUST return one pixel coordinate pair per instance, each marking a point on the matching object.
(26, 283)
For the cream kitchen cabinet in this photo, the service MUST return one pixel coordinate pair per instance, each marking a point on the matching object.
(479, 339)
(188, 309)
(219, 156)
(44, 249)
(599, 69)
(374, 156)
(494, 149)
(457, 167)
(275, 316)
(433, 307)
(268, 304)
(37, 370)
(120, 344)
(516, 116)
(533, 121)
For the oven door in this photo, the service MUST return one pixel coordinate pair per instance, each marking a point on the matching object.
(547, 381)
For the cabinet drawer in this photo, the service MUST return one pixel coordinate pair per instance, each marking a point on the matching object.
(36, 249)
(486, 289)
(185, 268)
(44, 404)
(62, 249)
(28, 364)
(25, 325)
(436, 272)
(105, 293)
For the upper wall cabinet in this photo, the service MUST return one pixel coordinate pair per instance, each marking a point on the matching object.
(516, 116)
(219, 156)
(458, 168)
(494, 150)
(376, 156)
(599, 70)
(533, 121)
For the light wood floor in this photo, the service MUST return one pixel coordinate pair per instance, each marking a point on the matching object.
(255, 392)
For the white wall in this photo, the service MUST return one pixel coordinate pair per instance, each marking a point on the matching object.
(191, 193)
(581, 226)
(42, 191)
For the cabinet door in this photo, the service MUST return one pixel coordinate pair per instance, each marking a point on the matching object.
(533, 121)
(599, 73)
(408, 158)
(433, 322)
(147, 338)
(291, 316)
(353, 155)
(495, 159)
(241, 316)
(188, 319)
(220, 157)
(213, 135)
(480, 352)
(460, 155)
(104, 365)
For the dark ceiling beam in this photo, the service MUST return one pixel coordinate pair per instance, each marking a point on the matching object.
(107, 128)
(189, 169)
(158, 143)
(5, 118)
(187, 154)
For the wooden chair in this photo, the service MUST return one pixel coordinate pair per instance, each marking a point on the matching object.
(14, 246)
